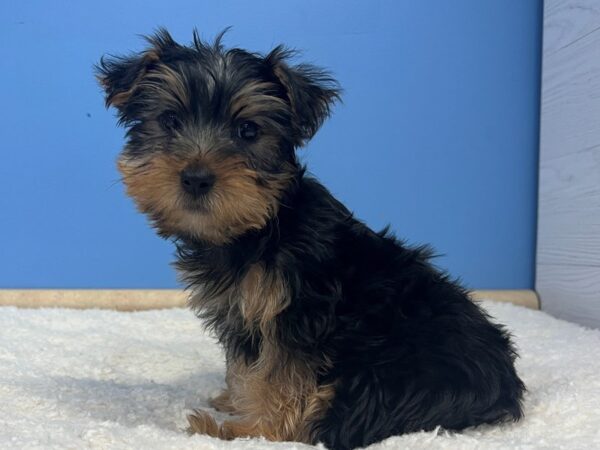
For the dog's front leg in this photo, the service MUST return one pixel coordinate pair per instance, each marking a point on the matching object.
(202, 422)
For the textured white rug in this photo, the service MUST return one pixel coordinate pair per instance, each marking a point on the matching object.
(73, 379)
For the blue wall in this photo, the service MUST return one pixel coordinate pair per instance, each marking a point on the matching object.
(437, 134)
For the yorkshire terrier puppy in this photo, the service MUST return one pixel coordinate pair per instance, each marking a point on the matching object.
(333, 332)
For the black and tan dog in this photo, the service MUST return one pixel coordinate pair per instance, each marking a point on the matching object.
(333, 333)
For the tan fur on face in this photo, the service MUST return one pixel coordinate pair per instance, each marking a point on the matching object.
(256, 97)
(237, 203)
(168, 85)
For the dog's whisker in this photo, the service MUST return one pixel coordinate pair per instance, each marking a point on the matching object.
(115, 182)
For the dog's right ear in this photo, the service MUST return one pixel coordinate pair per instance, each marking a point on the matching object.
(119, 76)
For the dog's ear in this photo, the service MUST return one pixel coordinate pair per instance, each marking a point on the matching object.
(119, 75)
(311, 92)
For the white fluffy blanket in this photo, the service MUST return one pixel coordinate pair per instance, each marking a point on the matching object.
(74, 379)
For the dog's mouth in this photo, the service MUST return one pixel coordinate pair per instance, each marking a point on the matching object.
(197, 205)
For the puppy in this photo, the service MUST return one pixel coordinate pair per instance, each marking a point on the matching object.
(333, 333)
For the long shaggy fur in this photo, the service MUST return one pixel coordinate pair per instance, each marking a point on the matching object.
(333, 333)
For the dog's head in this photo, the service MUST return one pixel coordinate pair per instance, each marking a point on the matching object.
(212, 132)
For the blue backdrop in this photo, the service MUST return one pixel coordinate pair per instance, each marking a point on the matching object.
(437, 134)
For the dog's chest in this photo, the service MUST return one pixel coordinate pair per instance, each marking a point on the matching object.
(262, 295)
(251, 302)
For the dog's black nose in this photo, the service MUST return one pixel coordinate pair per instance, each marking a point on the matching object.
(197, 181)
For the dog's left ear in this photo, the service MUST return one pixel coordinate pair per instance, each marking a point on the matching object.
(311, 92)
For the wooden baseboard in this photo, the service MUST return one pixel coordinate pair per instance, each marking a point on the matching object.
(143, 299)
(521, 297)
(119, 299)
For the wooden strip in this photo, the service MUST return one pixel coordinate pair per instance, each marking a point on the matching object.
(119, 299)
(521, 297)
(143, 299)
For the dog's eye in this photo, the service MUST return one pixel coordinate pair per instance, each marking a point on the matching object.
(169, 121)
(247, 131)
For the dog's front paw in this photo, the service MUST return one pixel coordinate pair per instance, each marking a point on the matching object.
(202, 423)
